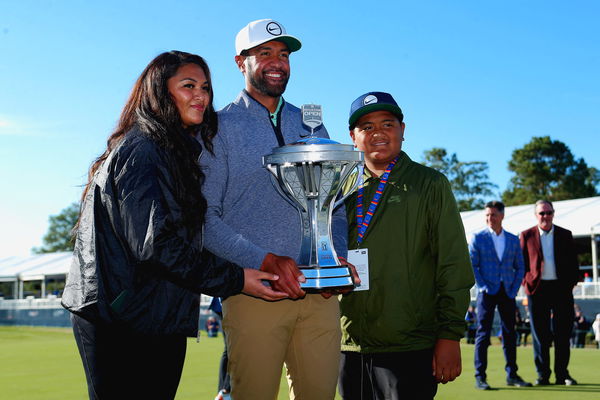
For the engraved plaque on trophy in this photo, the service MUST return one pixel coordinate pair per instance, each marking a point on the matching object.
(311, 173)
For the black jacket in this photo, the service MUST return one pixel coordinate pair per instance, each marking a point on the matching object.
(135, 264)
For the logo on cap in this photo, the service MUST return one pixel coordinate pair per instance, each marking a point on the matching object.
(369, 100)
(274, 29)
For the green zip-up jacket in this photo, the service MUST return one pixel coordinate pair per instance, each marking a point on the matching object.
(419, 266)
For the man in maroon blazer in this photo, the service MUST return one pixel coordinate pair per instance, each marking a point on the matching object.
(551, 271)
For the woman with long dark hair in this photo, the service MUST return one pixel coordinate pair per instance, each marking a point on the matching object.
(138, 264)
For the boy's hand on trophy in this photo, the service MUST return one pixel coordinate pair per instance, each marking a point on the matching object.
(287, 271)
(355, 276)
(327, 293)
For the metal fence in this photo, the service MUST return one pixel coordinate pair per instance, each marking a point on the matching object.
(49, 312)
(583, 290)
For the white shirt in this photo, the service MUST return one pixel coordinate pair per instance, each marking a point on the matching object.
(499, 242)
(549, 266)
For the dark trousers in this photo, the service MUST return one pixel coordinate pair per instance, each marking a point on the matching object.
(486, 305)
(224, 380)
(389, 376)
(121, 365)
(551, 298)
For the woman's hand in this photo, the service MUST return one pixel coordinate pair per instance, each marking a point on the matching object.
(253, 285)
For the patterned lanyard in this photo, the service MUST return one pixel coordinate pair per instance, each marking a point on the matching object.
(363, 223)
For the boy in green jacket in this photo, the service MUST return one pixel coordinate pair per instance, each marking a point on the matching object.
(402, 326)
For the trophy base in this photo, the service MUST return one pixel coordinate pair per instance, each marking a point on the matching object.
(326, 278)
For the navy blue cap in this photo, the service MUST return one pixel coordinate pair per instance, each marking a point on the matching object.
(373, 101)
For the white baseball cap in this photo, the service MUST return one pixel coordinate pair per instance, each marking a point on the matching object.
(262, 31)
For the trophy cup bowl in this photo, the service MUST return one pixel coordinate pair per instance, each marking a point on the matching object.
(310, 174)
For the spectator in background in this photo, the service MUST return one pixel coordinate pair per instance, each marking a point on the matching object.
(581, 327)
(471, 320)
(212, 327)
(224, 385)
(522, 326)
(551, 272)
(596, 329)
(498, 266)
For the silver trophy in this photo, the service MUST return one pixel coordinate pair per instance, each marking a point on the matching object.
(311, 173)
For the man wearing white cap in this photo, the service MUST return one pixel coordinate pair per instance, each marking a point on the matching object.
(249, 223)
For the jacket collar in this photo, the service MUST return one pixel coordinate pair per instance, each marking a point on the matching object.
(403, 159)
(541, 231)
(195, 143)
(493, 233)
(245, 100)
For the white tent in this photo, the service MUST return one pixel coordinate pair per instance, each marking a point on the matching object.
(36, 267)
(580, 216)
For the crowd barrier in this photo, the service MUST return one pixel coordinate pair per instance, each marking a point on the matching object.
(48, 312)
(583, 290)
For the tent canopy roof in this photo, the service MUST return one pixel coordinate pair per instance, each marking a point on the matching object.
(35, 266)
(580, 216)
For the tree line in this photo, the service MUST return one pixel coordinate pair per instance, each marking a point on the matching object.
(542, 169)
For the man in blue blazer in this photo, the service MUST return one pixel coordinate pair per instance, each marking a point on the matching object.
(499, 268)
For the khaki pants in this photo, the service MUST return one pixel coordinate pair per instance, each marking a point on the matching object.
(262, 336)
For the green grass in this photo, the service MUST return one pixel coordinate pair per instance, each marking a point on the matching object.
(43, 363)
(584, 366)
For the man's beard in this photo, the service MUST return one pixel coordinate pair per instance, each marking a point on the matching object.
(260, 84)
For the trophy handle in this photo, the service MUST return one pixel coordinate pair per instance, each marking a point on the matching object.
(290, 199)
(354, 186)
